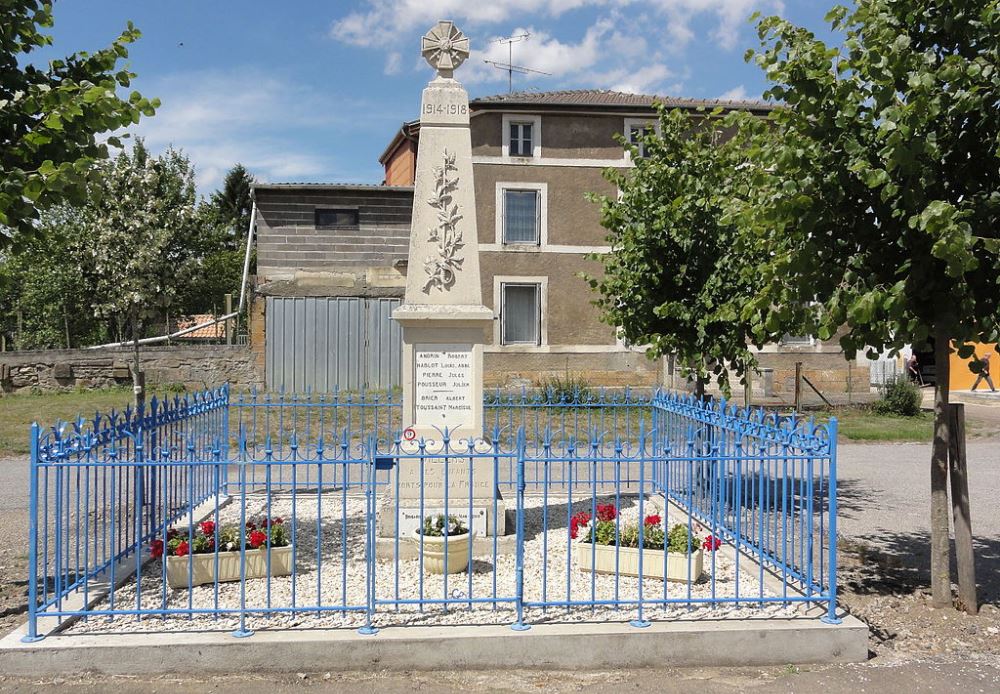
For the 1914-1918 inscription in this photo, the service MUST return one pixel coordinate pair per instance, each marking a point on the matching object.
(442, 385)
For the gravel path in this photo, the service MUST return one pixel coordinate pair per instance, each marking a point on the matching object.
(335, 588)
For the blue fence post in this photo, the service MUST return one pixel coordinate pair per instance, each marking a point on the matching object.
(32, 635)
(519, 625)
(242, 632)
(831, 614)
(368, 629)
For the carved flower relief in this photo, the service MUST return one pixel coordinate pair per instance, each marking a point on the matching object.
(442, 267)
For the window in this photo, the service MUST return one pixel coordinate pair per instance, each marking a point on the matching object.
(336, 218)
(521, 212)
(520, 139)
(521, 222)
(797, 340)
(635, 129)
(521, 135)
(520, 314)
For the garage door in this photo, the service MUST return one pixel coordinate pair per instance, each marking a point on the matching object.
(320, 344)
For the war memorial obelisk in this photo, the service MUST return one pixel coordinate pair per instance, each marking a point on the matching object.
(444, 323)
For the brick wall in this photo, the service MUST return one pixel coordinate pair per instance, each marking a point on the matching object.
(288, 239)
(196, 367)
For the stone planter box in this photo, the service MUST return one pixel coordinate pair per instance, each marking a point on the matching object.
(458, 552)
(602, 560)
(229, 566)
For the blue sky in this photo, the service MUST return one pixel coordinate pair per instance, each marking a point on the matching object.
(303, 90)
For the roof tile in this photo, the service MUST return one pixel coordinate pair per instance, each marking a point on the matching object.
(607, 97)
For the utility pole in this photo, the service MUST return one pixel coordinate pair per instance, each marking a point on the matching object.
(509, 67)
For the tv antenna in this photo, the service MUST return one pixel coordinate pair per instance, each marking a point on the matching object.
(509, 66)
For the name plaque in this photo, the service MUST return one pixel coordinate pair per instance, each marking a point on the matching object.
(442, 385)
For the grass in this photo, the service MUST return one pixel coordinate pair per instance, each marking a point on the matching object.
(861, 424)
(17, 412)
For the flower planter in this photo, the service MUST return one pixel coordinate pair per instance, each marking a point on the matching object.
(601, 558)
(433, 552)
(203, 569)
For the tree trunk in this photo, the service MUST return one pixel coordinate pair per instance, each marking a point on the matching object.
(138, 378)
(940, 548)
(699, 388)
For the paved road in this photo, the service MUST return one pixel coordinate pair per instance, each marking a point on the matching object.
(885, 488)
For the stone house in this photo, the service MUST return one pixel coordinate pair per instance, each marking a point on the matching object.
(536, 156)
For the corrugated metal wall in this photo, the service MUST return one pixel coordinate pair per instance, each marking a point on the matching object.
(323, 343)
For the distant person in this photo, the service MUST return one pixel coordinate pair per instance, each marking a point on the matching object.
(913, 369)
(985, 373)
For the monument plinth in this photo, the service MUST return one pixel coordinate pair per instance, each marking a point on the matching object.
(444, 323)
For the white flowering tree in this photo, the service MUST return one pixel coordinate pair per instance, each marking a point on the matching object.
(140, 227)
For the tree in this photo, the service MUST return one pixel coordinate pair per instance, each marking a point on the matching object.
(221, 243)
(234, 204)
(43, 284)
(678, 274)
(140, 226)
(50, 119)
(882, 214)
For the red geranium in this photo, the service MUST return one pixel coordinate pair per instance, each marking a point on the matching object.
(606, 512)
(653, 519)
(257, 538)
(208, 527)
(182, 549)
(711, 543)
(156, 549)
(575, 523)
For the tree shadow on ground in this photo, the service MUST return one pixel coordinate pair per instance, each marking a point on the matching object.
(897, 563)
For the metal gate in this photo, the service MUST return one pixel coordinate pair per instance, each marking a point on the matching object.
(320, 344)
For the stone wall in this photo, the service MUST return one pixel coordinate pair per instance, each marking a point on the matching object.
(194, 366)
(609, 369)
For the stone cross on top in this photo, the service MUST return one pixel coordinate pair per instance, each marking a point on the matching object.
(444, 47)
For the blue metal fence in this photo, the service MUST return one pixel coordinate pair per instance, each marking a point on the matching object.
(123, 506)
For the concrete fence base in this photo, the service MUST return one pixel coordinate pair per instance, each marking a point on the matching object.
(751, 642)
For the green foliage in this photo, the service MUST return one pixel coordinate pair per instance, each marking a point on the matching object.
(51, 118)
(44, 284)
(884, 196)
(899, 397)
(435, 526)
(679, 273)
(563, 389)
(680, 540)
(57, 279)
(220, 245)
(654, 536)
(141, 225)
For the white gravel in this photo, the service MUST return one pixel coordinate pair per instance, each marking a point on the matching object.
(335, 588)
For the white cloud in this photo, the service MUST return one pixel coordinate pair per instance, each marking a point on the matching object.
(221, 118)
(643, 80)
(630, 45)
(541, 52)
(737, 93)
(383, 22)
(394, 63)
(386, 20)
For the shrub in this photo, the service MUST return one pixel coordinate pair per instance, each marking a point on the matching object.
(259, 533)
(565, 389)
(434, 526)
(609, 531)
(899, 397)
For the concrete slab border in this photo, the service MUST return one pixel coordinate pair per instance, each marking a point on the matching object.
(751, 642)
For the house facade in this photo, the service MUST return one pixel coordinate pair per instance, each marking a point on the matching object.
(536, 158)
